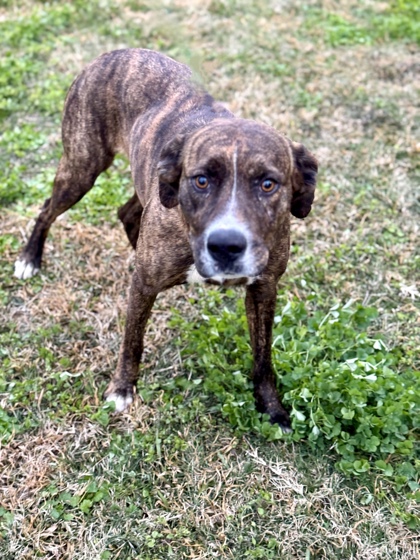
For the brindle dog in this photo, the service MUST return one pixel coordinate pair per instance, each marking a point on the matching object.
(213, 197)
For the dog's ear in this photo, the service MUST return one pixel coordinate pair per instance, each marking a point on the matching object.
(304, 180)
(169, 171)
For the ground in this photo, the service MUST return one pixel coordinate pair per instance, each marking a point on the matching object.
(191, 470)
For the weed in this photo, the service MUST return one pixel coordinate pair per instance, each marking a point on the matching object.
(340, 384)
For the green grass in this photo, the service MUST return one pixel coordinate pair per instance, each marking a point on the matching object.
(193, 471)
(399, 20)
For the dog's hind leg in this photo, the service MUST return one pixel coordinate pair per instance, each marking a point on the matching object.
(90, 141)
(130, 215)
(75, 177)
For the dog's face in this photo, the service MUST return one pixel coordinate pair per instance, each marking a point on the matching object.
(236, 182)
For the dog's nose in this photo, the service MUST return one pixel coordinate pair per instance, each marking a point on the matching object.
(226, 245)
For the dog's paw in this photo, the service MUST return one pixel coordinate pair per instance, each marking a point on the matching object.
(24, 269)
(283, 420)
(268, 402)
(121, 401)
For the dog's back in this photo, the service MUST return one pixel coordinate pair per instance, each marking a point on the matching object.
(133, 101)
(116, 88)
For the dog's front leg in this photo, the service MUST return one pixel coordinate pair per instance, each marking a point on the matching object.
(260, 308)
(140, 303)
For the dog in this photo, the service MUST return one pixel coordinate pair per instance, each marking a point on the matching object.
(212, 203)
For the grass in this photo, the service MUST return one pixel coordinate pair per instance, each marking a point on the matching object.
(366, 23)
(192, 471)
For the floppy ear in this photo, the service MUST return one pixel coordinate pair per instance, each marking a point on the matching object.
(303, 179)
(169, 171)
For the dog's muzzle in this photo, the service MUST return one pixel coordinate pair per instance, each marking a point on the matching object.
(228, 253)
(226, 247)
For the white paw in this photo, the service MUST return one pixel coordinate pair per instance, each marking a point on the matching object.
(24, 270)
(286, 429)
(121, 403)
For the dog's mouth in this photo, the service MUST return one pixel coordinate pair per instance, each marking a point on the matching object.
(227, 282)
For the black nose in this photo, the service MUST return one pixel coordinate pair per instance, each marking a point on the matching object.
(226, 245)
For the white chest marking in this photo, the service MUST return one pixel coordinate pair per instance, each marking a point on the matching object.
(193, 277)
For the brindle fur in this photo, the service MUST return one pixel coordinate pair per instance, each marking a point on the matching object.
(147, 106)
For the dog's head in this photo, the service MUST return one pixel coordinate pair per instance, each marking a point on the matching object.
(236, 182)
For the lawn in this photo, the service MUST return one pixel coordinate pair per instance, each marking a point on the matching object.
(191, 470)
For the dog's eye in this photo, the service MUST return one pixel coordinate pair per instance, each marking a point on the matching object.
(201, 182)
(268, 186)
